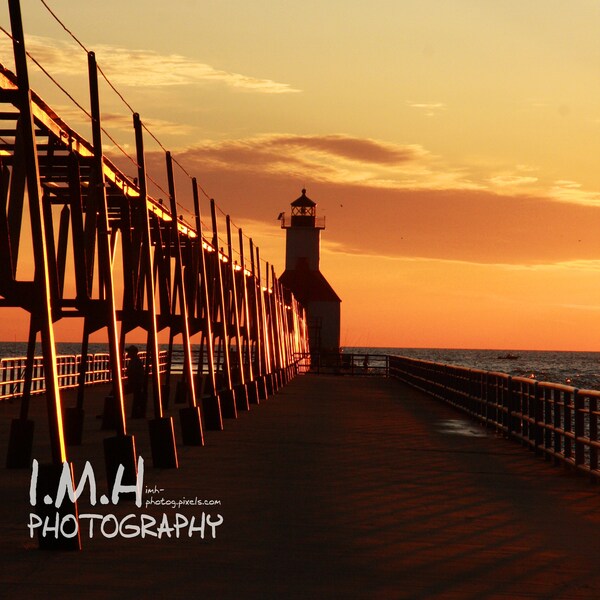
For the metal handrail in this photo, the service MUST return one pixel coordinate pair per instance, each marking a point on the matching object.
(554, 420)
(346, 363)
(12, 372)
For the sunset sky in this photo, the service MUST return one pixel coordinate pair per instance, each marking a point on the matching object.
(452, 145)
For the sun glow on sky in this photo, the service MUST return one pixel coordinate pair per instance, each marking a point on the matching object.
(452, 146)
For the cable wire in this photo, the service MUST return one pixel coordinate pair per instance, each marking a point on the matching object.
(126, 103)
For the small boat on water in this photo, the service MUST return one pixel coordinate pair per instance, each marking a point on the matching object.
(508, 357)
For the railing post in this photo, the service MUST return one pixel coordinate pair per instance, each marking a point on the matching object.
(593, 434)
(578, 401)
(508, 406)
(538, 410)
(557, 422)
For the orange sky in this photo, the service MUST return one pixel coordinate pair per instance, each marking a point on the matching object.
(452, 147)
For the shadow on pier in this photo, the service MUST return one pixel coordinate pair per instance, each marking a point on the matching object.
(336, 487)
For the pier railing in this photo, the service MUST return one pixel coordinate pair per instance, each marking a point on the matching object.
(12, 372)
(349, 363)
(554, 420)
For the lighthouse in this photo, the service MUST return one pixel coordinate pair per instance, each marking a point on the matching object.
(303, 277)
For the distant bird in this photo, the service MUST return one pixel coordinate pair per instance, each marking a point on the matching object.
(280, 216)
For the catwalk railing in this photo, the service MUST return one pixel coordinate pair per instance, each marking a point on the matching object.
(348, 363)
(13, 371)
(558, 421)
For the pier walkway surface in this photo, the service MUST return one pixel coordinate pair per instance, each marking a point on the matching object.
(336, 487)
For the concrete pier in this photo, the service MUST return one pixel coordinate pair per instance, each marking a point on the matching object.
(336, 487)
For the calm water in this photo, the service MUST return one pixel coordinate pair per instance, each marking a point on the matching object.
(579, 369)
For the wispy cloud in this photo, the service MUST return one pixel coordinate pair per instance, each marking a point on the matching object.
(573, 192)
(583, 307)
(129, 67)
(379, 165)
(411, 204)
(521, 180)
(511, 181)
(568, 266)
(334, 159)
(430, 109)
(75, 117)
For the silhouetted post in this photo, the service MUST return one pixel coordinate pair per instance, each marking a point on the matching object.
(266, 336)
(119, 450)
(241, 393)
(191, 418)
(227, 395)
(162, 434)
(251, 382)
(261, 354)
(40, 289)
(211, 404)
(282, 329)
(75, 415)
(271, 330)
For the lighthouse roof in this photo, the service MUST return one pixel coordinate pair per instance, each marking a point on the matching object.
(308, 286)
(304, 200)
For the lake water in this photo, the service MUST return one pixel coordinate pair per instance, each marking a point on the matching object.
(579, 369)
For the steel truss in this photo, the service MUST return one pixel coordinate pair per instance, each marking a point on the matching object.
(240, 338)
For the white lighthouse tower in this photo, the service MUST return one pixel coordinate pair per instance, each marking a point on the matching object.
(303, 278)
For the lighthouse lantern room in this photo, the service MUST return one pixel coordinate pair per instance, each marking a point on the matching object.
(303, 277)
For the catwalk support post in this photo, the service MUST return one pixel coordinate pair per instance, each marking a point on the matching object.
(191, 421)
(226, 394)
(42, 309)
(119, 450)
(162, 434)
(240, 389)
(211, 404)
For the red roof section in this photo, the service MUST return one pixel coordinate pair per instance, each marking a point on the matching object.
(308, 286)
